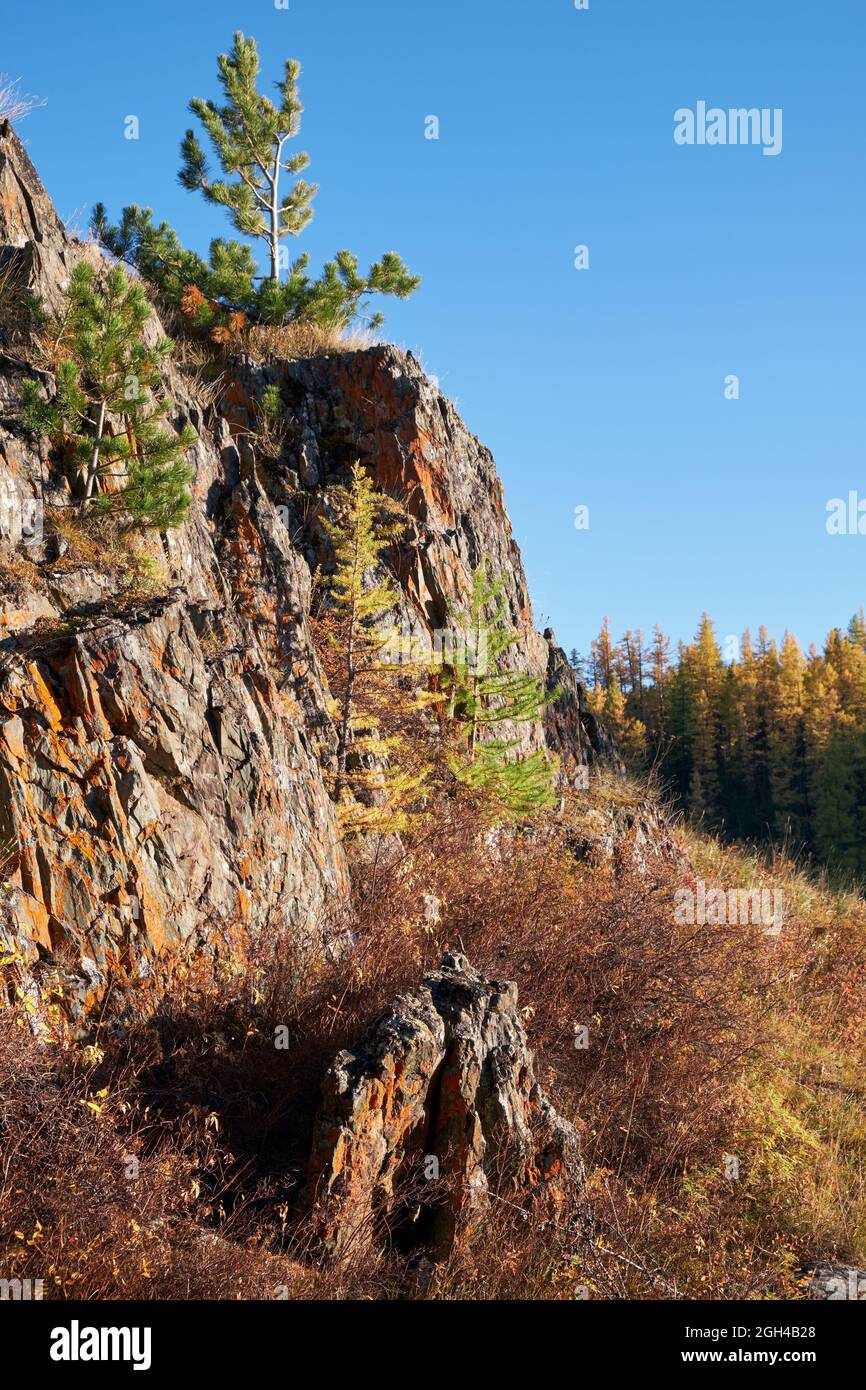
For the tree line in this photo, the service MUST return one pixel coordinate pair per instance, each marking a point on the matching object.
(766, 743)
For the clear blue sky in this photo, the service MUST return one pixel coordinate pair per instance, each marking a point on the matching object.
(601, 387)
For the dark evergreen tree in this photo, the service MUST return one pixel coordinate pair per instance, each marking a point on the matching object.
(480, 694)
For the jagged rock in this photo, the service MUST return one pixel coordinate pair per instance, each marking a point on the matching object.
(135, 770)
(161, 777)
(378, 406)
(625, 833)
(572, 730)
(445, 1075)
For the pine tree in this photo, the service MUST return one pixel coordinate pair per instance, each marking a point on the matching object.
(701, 672)
(787, 746)
(578, 665)
(628, 733)
(370, 522)
(478, 696)
(857, 628)
(249, 134)
(656, 699)
(108, 411)
(766, 671)
(680, 724)
(604, 656)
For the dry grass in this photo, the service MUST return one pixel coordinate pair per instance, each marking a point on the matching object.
(15, 104)
(264, 343)
(104, 543)
(18, 574)
(9, 855)
(16, 303)
(205, 381)
(805, 1104)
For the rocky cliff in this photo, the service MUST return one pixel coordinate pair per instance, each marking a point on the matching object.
(164, 745)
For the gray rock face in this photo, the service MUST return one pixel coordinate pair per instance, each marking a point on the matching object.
(443, 1092)
(161, 760)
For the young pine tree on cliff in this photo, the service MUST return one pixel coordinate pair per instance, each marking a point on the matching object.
(108, 411)
(378, 779)
(478, 696)
(249, 135)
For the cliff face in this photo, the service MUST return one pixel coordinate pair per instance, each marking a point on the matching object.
(163, 749)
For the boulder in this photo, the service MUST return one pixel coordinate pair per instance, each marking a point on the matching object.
(434, 1114)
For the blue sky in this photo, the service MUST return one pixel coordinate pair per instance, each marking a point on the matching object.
(601, 387)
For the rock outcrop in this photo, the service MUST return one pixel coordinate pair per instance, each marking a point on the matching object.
(378, 406)
(155, 792)
(164, 754)
(437, 1110)
(571, 730)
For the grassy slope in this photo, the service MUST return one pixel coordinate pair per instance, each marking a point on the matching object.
(803, 1122)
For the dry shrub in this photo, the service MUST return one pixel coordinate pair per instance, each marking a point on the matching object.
(264, 343)
(98, 1201)
(672, 1011)
(689, 1060)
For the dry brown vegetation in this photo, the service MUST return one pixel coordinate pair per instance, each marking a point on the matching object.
(19, 576)
(108, 544)
(16, 305)
(260, 343)
(283, 342)
(15, 104)
(703, 1041)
